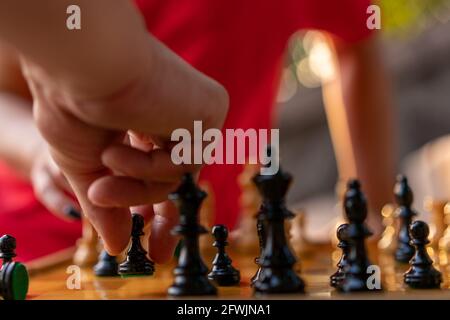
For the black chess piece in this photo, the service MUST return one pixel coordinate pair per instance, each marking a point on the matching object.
(106, 266)
(404, 198)
(223, 273)
(356, 274)
(341, 233)
(277, 261)
(261, 240)
(191, 272)
(13, 275)
(136, 263)
(421, 274)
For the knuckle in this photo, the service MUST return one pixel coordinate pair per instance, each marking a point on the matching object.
(92, 112)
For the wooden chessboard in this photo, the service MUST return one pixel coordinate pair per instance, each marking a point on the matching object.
(315, 267)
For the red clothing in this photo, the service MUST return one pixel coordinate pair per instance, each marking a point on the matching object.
(37, 231)
(240, 43)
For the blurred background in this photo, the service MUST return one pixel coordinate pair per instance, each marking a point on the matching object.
(415, 37)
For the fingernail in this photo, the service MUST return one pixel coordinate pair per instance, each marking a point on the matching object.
(72, 213)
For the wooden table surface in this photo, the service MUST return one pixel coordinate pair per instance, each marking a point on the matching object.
(315, 268)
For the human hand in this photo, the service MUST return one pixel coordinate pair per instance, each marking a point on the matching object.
(52, 188)
(140, 161)
(164, 95)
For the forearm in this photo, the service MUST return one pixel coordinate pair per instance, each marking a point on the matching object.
(112, 58)
(19, 139)
(369, 119)
(112, 34)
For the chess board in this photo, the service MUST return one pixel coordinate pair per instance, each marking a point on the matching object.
(315, 268)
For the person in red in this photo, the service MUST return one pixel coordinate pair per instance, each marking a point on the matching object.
(241, 45)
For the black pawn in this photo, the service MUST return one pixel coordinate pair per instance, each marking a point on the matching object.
(191, 272)
(106, 266)
(261, 241)
(13, 275)
(7, 248)
(342, 235)
(404, 198)
(356, 274)
(277, 261)
(421, 274)
(136, 263)
(223, 273)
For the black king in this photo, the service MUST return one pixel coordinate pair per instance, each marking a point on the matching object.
(276, 274)
(191, 272)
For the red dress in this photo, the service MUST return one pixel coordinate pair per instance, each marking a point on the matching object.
(240, 43)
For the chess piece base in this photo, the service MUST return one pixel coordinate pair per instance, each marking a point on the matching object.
(226, 277)
(337, 278)
(105, 270)
(273, 281)
(13, 281)
(129, 269)
(416, 280)
(106, 266)
(353, 283)
(185, 285)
